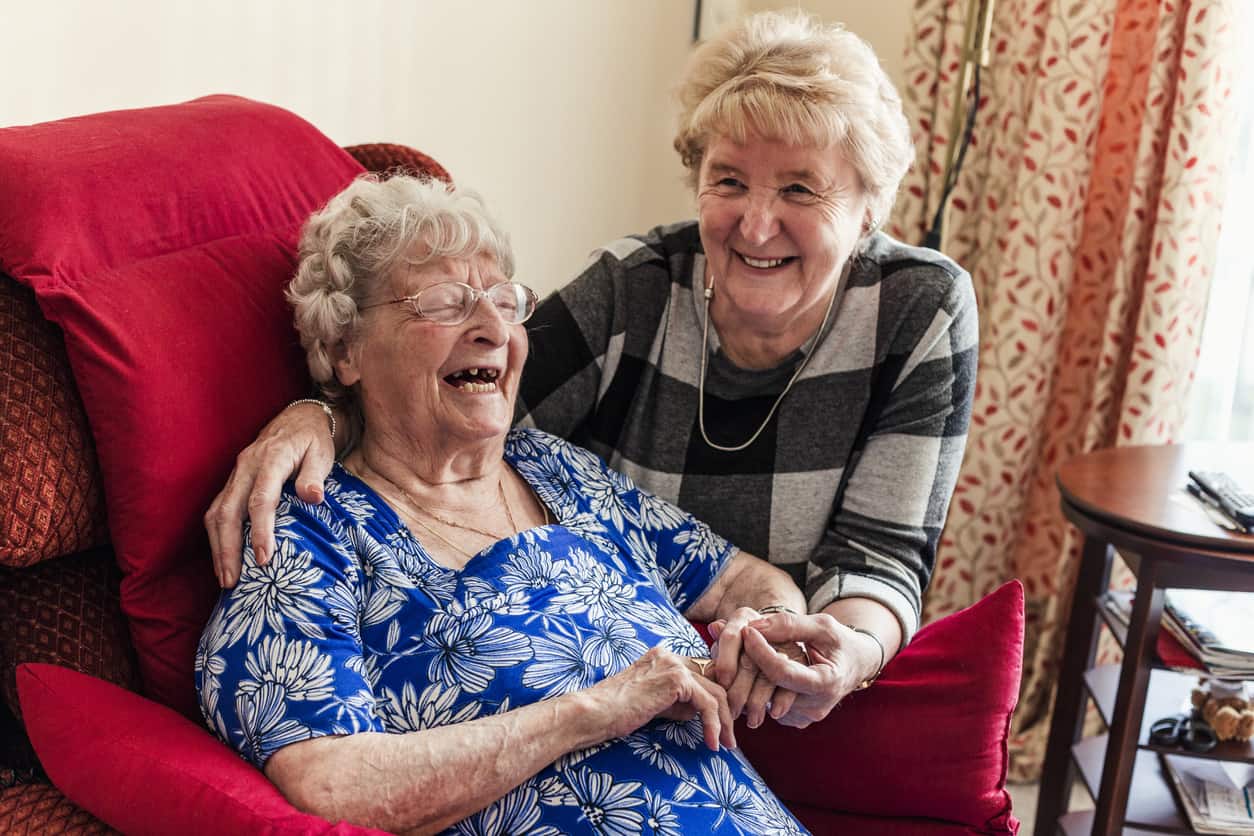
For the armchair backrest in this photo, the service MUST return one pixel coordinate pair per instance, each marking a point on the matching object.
(157, 243)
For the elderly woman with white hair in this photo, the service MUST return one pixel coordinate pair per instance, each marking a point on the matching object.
(779, 367)
(476, 629)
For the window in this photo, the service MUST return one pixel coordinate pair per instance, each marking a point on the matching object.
(1221, 403)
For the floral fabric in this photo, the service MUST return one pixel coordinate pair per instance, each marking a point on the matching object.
(352, 627)
(1088, 213)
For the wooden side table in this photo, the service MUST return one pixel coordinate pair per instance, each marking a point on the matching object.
(1131, 499)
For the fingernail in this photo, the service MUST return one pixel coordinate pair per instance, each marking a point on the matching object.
(261, 554)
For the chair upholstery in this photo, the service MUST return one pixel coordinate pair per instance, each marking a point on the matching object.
(41, 809)
(51, 500)
(58, 578)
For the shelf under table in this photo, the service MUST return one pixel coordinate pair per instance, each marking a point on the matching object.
(1151, 804)
(1168, 694)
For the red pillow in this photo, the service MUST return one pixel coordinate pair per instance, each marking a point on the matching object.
(927, 740)
(821, 822)
(145, 769)
(159, 240)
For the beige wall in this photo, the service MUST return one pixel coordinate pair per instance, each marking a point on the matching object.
(559, 111)
(884, 23)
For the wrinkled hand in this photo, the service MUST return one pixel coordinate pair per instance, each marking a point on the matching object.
(297, 438)
(749, 690)
(839, 659)
(663, 684)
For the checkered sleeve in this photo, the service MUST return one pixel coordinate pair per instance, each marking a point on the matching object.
(570, 335)
(881, 540)
(580, 335)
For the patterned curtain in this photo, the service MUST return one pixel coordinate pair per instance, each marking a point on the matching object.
(1088, 213)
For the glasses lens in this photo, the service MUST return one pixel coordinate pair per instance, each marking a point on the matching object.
(515, 301)
(447, 302)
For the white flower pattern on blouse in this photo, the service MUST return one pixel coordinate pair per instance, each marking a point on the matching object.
(353, 627)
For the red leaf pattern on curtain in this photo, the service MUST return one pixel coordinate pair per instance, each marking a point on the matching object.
(1088, 214)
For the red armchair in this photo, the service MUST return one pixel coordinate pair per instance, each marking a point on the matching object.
(143, 341)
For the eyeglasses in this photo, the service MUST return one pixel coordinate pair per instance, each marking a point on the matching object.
(452, 303)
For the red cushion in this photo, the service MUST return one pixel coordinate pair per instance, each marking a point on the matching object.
(825, 822)
(159, 241)
(928, 740)
(145, 769)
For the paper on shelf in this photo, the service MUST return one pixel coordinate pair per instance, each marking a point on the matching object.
(1227, 804)
(1206, 788)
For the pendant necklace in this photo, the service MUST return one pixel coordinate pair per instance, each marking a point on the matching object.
(705, 358)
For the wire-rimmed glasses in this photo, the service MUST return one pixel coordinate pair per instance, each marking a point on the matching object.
(452, 303)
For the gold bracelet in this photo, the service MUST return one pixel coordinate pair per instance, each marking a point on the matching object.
(326, 407)
(867, 683)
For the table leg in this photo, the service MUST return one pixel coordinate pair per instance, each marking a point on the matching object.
(1125, 726)
(1078, 654)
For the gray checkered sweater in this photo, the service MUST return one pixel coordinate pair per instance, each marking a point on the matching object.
(847, 487)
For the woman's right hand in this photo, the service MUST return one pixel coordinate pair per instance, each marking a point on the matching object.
(296, 439)
(662, 683)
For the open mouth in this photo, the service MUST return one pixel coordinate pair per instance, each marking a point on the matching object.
(766, 263)
(474, 379)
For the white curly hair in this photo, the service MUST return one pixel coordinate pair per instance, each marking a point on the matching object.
(349, 248)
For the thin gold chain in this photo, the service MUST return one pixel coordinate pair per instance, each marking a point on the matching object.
(508, 512)
(444, 539)
(544, 509)
(500, 487)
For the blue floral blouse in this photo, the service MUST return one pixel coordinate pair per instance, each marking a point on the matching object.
(352, 627)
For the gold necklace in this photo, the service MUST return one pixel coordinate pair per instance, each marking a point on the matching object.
(453, 523)
(443, 539)
(500, 487)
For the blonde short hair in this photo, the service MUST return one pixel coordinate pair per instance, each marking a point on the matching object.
(349, 248)
(788, 77)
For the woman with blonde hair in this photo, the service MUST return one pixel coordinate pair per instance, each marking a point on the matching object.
(779, 367)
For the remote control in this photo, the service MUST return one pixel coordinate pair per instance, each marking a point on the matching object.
(1233, 500)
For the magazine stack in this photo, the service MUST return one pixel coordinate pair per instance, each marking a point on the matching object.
(1206, 631)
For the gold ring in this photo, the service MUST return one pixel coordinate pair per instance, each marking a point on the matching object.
(702, 664)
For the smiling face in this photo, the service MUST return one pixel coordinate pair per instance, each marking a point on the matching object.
(778, 223)
(449, 384)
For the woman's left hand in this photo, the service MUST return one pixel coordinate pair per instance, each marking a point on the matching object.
(839, 659)
(748, 689)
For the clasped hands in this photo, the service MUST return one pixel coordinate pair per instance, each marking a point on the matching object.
(792, 667)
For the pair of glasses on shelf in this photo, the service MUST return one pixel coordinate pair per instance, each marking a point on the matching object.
(1184, 731)
(452, 303)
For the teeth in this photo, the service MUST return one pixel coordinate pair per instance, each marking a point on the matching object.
(478, 387)
(762, 263)
(473, 372)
